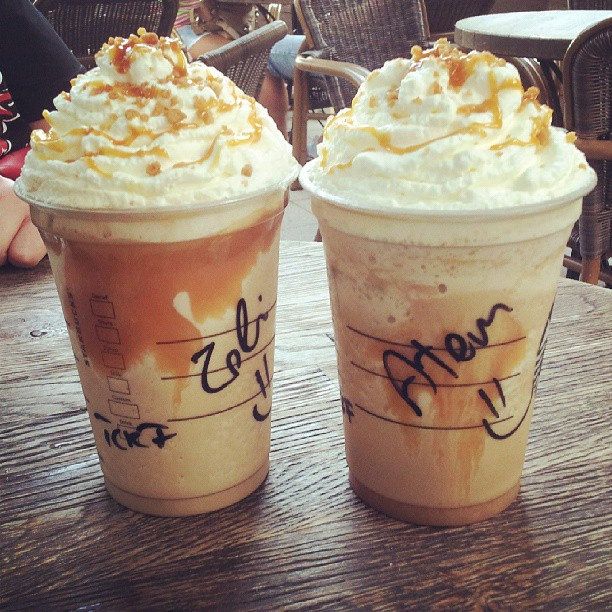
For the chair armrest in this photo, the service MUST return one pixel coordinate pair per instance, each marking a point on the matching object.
(595, 149)
(308, 62)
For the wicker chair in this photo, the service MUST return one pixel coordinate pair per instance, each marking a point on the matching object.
(587, 80)
(443, 14)
(244, 60)
(349, 38)
(597, 5)
(84, 25)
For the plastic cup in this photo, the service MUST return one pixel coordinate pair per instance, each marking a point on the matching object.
(171, 316)
(440, 323)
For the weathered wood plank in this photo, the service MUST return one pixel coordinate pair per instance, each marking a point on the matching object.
(303, 540)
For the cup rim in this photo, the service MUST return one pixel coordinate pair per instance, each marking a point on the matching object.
(447, 214)
(144, 211)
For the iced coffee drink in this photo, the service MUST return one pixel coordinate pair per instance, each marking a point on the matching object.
(445, 199)
(159, 192)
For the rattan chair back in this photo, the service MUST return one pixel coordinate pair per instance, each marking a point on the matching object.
(244, 60)
(84, 25)
(363, 32)
(587, 82)
(596, 5)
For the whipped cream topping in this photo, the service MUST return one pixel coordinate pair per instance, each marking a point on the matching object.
(145, 128)
(447, 130)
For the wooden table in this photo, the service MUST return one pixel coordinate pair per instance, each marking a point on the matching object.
(545, 35)
(303, 539)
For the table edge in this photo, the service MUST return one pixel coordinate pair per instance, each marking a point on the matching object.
(548, 49)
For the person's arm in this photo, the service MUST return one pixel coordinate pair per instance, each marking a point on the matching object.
(34, 61)
(20, 242)
(36, 66)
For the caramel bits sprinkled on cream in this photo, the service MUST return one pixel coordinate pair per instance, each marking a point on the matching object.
(123, 50)
(392, 97)
(449, 120)
(134, 127)
(154, 168)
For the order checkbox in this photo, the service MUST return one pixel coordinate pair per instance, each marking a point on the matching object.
(118, 385)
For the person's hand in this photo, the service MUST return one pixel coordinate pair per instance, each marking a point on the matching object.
(20, 242)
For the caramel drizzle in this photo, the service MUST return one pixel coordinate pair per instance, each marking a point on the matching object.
(110, 152)
(539, 136)
(126, 90)
(121, 56)
(53, 142)
(121, 52)
(459, 65)
(55, 145)
(152, 169)
(133, 133)
(460, 68)
(180, 69)
(255, 134)
(325, 158)
(207, 154)
(250, 137)
(384, 140)
(343, 165)
(491, 104)
(90, 163)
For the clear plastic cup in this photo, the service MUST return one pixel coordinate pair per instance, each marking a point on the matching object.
(171, 316)
(440, 322)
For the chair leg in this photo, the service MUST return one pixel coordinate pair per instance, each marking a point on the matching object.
(590, 270)
(300, 116)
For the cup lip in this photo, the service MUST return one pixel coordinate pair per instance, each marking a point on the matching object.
(452, 215)
(230, 202)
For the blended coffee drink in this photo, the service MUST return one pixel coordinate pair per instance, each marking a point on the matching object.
(159, 192)
(445, 199)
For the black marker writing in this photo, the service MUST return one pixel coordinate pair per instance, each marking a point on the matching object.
(263, 389)
(539, 358)
(347, 408)
(416, 364)
(242, 326)
(458, 347)
(124, 439)
(233, 359)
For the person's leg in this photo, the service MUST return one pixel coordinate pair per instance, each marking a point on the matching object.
(273, 95)
(283, 54)
(280, 69)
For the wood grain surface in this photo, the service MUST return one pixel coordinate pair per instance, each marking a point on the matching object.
(303, 540)
(539, 34)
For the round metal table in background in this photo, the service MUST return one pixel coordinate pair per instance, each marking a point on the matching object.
(545, 35)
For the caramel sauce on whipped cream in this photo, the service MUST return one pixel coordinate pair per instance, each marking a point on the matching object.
(446, 126)
(145, 124)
